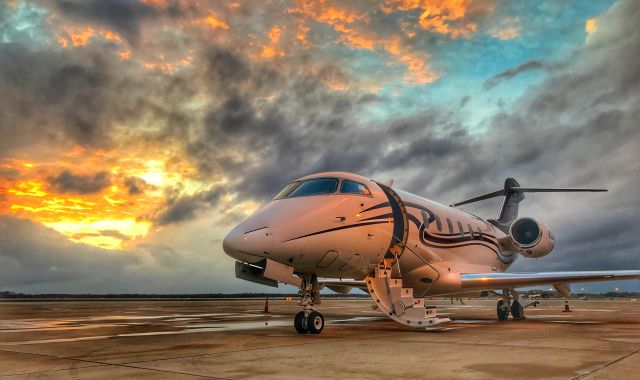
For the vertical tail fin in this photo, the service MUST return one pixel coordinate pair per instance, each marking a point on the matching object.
(509, 210)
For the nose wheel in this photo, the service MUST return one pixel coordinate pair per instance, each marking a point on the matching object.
(309, 320)
(313, 323)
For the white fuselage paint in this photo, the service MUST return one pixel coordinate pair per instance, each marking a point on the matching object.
(345, 235)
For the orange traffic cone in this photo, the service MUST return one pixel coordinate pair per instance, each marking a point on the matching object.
(266, 305)
(566, 307)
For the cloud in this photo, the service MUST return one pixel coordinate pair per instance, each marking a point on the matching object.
(81, 96)
(9, 173)
(135, 185)
(464, 101)
(115, 234)
(37, 259)
(28, 251)
(185, 208)
(122, 16)
(512, 72)
(67, 182)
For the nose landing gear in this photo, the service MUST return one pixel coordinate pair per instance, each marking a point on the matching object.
(309, 320)
(312, 323)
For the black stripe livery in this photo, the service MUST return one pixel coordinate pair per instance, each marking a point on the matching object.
(338, 228)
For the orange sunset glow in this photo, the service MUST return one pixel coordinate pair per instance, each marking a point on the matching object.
(110, 214)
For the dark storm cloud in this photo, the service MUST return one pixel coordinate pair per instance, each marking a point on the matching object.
(114, 234)
(37, 259)
(224, 69)
(31, 253)
(123, 16)
(423, 150)
(63, 98)
(67, 182)
(512, 72)
(56, 98)
(464, 101)
(185, 208)
(9, 173)
(135, 185)
(179, 210)
(23, 73)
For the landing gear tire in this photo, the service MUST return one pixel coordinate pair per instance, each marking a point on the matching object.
(503, 313)
(315, 322)
(517, 310)
(300, 323)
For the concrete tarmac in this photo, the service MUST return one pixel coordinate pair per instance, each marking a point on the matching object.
(233, 339)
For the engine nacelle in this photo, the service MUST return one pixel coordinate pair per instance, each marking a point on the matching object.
(531, 238)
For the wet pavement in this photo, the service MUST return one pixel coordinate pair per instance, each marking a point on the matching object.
(235, 339)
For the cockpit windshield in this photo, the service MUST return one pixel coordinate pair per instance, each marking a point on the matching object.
(287, 189)
(350, 187)
(318, 186)
(315, 186)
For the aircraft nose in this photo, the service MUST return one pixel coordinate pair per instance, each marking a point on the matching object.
(249, 245)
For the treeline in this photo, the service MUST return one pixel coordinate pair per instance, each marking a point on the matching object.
(620, 294)
(13, 295)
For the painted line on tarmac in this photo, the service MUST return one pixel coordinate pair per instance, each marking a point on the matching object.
(605, 365)
(100, 364)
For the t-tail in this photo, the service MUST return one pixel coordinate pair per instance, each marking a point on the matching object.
(513, 194)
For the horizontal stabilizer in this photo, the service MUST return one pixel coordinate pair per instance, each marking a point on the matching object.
(479, 198)
(554, 190)
(506, 191)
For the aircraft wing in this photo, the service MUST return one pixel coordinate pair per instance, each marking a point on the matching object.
(493, 280)
(488, 281)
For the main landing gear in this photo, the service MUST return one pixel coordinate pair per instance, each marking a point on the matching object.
(505, 306)
(309, 320)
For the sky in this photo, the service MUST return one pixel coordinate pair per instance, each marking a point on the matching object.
(135, 134)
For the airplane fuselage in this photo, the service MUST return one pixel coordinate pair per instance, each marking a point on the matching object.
(345, 235)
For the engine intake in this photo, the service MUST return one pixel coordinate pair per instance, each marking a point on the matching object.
(531, 238)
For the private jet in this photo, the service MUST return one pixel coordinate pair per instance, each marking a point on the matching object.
(352, 232)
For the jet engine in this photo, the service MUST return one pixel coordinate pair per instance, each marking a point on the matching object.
(530, 237)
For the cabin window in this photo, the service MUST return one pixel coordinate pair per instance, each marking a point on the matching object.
(315, 186)
(450, 225)
(471, 231)
(461, 229)
(351, 187)
(438, 223)
(287, 189)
